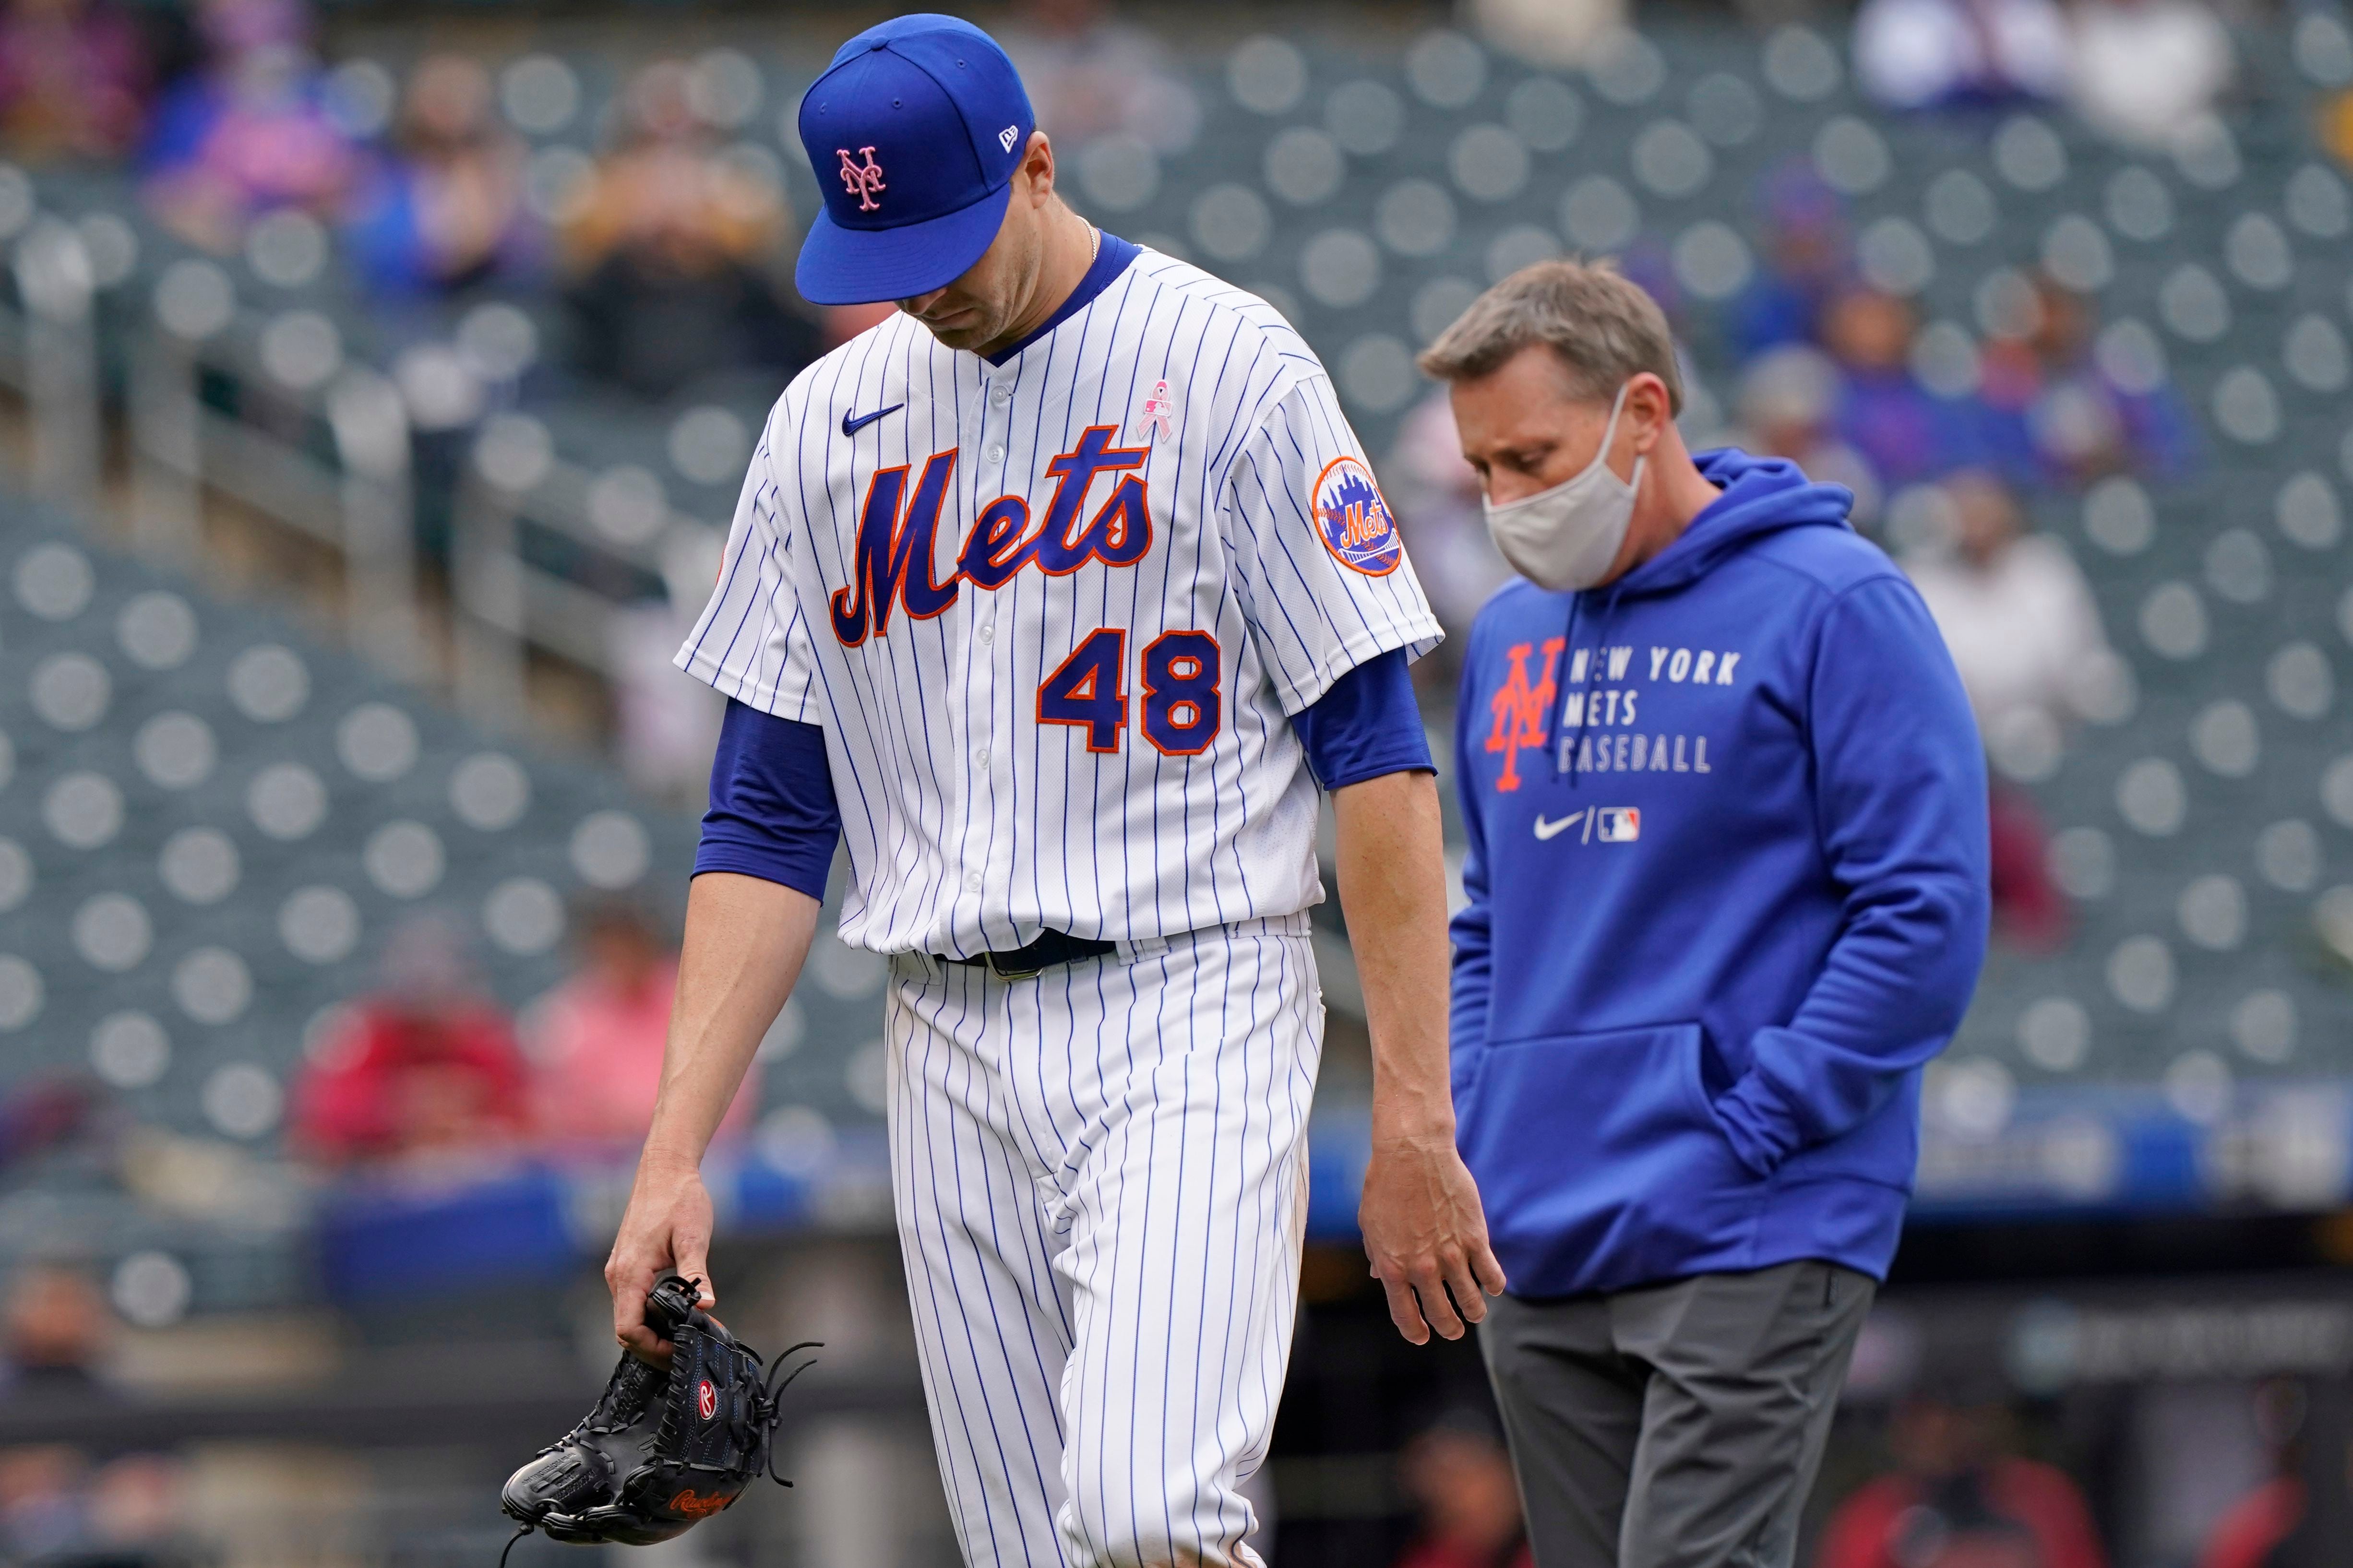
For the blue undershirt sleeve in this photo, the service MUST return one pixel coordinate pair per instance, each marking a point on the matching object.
(1365, 725)
(773, 813)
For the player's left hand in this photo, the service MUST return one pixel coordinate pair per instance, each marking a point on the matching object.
(1427, 1236)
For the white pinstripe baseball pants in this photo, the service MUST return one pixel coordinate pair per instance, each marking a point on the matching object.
(1101, 1175)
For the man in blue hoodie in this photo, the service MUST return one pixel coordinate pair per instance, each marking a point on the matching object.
(1727, 882)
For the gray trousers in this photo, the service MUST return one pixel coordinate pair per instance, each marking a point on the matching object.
(1676, 1427)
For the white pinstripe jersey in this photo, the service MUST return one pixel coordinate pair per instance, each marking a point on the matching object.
(1053, 614)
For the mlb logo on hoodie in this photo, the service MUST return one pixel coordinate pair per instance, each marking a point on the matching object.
(1618, 824)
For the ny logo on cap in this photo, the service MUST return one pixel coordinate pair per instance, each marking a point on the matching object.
(862, 180)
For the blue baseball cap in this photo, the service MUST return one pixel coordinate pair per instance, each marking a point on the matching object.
(913, 133)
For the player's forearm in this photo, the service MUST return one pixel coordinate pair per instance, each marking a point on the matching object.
(1393, 890)
(745, 940)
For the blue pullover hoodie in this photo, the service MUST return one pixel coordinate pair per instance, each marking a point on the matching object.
(1728, 892)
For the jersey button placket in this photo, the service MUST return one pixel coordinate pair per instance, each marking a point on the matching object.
(976, 719)
(982, 803)
(992, 422)
(970, 697)
(985, 804)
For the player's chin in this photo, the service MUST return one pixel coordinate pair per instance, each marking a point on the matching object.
(965, 329)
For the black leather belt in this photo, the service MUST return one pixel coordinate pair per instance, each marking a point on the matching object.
(1051, 948)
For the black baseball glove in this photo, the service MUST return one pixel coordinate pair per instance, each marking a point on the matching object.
(665, 1447)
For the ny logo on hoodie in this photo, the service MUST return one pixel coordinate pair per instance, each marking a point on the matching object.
(1520, 708)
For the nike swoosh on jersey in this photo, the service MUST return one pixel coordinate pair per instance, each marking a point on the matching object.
(851, 427)
(1555, 829)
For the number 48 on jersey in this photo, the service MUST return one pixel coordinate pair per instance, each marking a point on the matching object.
(1179, 676)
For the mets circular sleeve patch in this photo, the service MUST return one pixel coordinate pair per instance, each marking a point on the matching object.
(1354, 520)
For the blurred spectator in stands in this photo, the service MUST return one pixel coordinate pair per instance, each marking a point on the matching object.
(843, 322)
(1926, 54)
(672, 247)
(55, 1511)
(1436, 495)
(446, 209)
(248, 133)
(1459, 1475)
(2077, 408)
(2278, 1525)
(1807, 259)
(1905, 432)
(44, 1112)
(1960, 1499)
(1555, 32)
(53, 1338)
(1090, 75)
(2250, 1533)
(1649, 263)
(139, 1515)
(2146, 71)
(1788, 398)
(2025, 634)
(2014, 607)
(595, 1041)
(132, 1512)
(42, 1515)
(664, 730)
(73, 80)
(663, 736)
(2335, 125)
(423, 1070)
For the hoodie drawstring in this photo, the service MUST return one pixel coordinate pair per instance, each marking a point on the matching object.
(1565, 760)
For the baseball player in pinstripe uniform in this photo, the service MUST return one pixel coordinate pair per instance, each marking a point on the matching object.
(1057, 596)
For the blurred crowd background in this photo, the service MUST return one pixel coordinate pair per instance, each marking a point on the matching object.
(374, 386)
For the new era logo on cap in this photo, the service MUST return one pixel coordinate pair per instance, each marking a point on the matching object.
(1006, 137)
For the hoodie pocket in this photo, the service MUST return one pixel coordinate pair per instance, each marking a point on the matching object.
(1599, 1161)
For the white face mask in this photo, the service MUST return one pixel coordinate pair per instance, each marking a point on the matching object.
(1568, 536)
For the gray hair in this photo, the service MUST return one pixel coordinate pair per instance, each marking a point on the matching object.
(1603, 328)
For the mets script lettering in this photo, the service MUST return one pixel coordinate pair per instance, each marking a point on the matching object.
(890, 561)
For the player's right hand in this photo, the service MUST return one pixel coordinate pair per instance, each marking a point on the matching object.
(1426, 1234)
(665, 1229)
